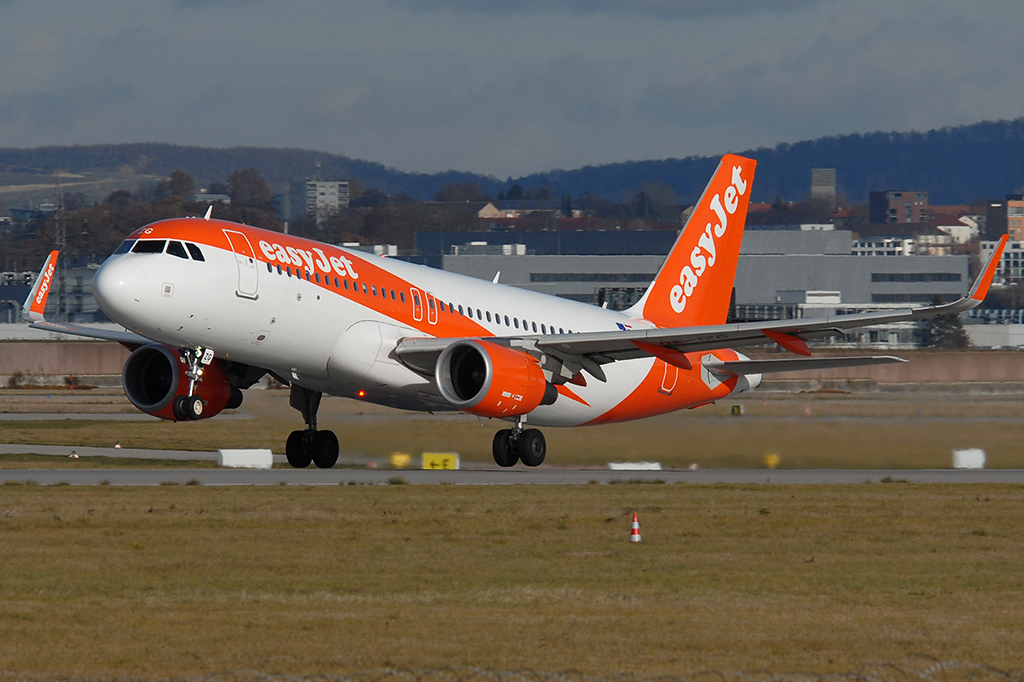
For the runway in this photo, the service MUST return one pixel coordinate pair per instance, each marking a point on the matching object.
(495, 476)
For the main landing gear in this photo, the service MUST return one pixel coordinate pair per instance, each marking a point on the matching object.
(303, 447)
(519, 444)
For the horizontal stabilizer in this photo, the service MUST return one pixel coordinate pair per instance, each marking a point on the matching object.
(738, 367)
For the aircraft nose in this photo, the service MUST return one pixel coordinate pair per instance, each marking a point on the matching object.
(117, 287)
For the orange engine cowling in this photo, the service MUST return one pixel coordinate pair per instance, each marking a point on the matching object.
(488, 380)
(154, 375)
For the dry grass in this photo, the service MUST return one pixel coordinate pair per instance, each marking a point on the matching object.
(183, 581)
(868, 431)
(31, 461)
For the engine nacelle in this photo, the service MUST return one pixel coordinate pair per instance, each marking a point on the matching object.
(488, 380)
(154, 375)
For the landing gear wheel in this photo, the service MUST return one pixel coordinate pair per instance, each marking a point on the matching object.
(325, 449)
(194, 407)
(179, 409)
(504, 450)
(295, 449)
(532, 447)
(186, 408)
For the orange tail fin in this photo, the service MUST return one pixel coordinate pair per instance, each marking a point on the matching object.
(35, 304)
(694, 285)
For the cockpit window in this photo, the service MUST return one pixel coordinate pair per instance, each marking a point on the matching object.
(149, 246)
(194, 250)
(125, 246)
(176, 249)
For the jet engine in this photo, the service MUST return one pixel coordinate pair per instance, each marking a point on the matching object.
(488, 380)
(154, 381)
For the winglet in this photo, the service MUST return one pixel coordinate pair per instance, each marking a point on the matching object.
(35, 304)
(209, 212)
(981, 285)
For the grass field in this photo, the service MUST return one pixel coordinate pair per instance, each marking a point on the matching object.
(30, 461)
(183, 581)
(805, 430)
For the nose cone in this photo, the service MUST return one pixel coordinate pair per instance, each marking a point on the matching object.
(117, 287)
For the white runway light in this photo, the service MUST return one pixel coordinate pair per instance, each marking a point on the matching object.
(634, 466)
(972, 458)
(246, 459)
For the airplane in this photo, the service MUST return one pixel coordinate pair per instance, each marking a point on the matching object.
(209, 307)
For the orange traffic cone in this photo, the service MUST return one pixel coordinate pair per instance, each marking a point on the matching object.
(634, 533)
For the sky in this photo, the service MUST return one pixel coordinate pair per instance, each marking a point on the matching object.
(501, 87)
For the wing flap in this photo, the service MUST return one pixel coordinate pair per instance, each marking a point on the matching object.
(739, 367)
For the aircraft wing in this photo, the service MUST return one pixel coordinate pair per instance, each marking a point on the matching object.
(35, 304)
(589, 350)
(790, 334)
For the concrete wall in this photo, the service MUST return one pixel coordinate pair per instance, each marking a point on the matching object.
(929, 367)
(61, 358)
(80, 358)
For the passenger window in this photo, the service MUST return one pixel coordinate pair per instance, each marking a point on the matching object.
(176, 249)
(392, 294)
(196, 253)
(461, 311)
(270, 268)
(516, 320)
(430, 301)
(415, 298)
(451, 308)
(534, 325)
(488, 315)
(506, 322)
(561, 331)
(125, 246)
(543, 329)
(337, 284)
(346, 284)
(288, 268)
(149, 246)
(374, 289)
(317, 275)
(279, 271)
(479, 315)
(401, 296)
(364, 287)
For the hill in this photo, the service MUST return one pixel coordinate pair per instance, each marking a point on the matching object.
(956, 165)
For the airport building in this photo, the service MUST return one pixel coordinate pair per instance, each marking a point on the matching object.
(80, 305)
(781, 274)
(318, 199)
(823, 185)
(898, 206)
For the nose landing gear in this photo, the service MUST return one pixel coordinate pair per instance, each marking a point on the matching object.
(191, 406)
(310, 446)
(519, 444)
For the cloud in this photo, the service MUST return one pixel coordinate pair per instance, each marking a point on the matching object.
(656, 8)
(505, 88)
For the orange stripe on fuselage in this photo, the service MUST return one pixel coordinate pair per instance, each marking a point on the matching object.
(687, 390)
(211, 233)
